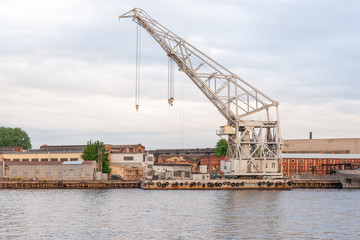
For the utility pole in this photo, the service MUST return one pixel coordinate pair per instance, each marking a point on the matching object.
(101, 144)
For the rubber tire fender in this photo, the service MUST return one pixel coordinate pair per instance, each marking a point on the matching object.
(158, 184)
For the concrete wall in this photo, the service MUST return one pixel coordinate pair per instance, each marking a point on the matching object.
(339, 146)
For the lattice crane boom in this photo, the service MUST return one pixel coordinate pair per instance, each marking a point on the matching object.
(235, 98)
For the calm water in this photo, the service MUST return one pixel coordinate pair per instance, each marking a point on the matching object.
(139, 214)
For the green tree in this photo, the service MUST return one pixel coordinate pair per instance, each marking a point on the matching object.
(221, 147)
(91, 154)
(14, 137)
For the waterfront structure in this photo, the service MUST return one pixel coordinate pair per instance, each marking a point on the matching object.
(131, 166)
(349, 178)
(316, 164)
(327, 146)
(48, 170)
(171, 171)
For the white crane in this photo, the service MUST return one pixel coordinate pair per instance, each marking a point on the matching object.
(252, 127)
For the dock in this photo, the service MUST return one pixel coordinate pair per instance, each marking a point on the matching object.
(68, 184)
(316, 183)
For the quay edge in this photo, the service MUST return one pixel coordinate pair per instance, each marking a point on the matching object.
(221, 184)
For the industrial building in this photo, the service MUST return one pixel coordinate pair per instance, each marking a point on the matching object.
(327, 146)
(316, 164)
(132, 166)
(46, 163)
(48, 170)
(171, 171)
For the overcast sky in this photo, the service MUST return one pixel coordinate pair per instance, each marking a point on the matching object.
(67, 68)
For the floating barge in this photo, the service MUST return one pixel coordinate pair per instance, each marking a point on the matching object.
(221, 184)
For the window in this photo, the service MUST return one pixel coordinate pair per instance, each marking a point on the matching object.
(310, 167)
(54, 159)
(13, 173)
(25, 174)
(301, 167)
(25, 159)
(273, 165)
(301, 160)
(150, 158)
(44, 159)
(34, 159)
(284, 166)
(310, 161)
(37, 172)
(149, 166)
(63, 159)
(292, 167)
(128, 158)
(319, 161)
(73, 159)
(284, 161)
(292, 160)
(16, 160)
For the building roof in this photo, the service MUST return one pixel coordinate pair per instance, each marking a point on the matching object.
(321, 156)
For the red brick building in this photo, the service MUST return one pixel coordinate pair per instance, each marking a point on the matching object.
(317, 164)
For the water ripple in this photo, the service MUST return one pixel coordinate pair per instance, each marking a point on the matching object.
(139, 214)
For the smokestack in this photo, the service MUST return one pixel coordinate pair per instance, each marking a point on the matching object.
(310, 135)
